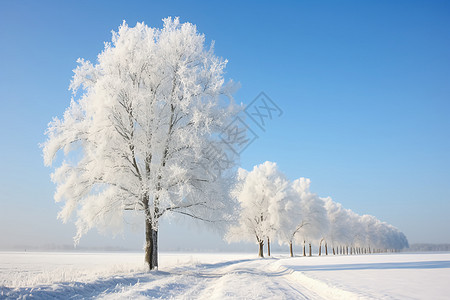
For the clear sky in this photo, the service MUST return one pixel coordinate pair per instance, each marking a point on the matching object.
(364, 87)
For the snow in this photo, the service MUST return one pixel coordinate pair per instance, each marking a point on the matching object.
(59, 275)
(382, 276)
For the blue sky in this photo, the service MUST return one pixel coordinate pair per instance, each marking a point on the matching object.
(364, 87)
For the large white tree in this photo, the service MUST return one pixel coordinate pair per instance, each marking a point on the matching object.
(141, 134)
(260, 194)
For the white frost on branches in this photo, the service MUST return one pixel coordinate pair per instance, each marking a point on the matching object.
(135, 133)
(304, 215)
(259, 193)
(314, 213)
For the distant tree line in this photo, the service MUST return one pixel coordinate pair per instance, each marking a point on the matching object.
(274, 208)
(428, 247)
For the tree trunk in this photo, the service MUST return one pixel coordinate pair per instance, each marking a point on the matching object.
(320, 248)
(268, 247)
(261, 249)
(334, 253)
(309, 249)
(151, 245)
(326, 248)
(291, 252)
(304, 248)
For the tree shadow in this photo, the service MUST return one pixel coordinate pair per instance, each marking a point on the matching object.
(374, 266)
(225, 263)
(79, 290)
(207, 270)
(161, 292)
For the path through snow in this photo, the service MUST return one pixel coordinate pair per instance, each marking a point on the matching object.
(236, 279)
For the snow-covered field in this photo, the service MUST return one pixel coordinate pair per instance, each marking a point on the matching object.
(218, 276)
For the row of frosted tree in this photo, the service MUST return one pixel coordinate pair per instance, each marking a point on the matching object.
(274, 208)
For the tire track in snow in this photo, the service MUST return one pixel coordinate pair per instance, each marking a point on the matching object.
(241, 279)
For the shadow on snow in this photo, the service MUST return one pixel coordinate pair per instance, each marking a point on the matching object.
(80, 290)
(117, 284)
(374, 266)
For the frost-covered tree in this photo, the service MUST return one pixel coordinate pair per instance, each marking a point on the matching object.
(260, 194)
(314, 214)
(387, 237)
(357, 231)
(338, 231)
(370, 225)
(139, 131)
(294, 215)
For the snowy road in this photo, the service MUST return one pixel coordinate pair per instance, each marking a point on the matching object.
(237, 279)
(223, 276)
